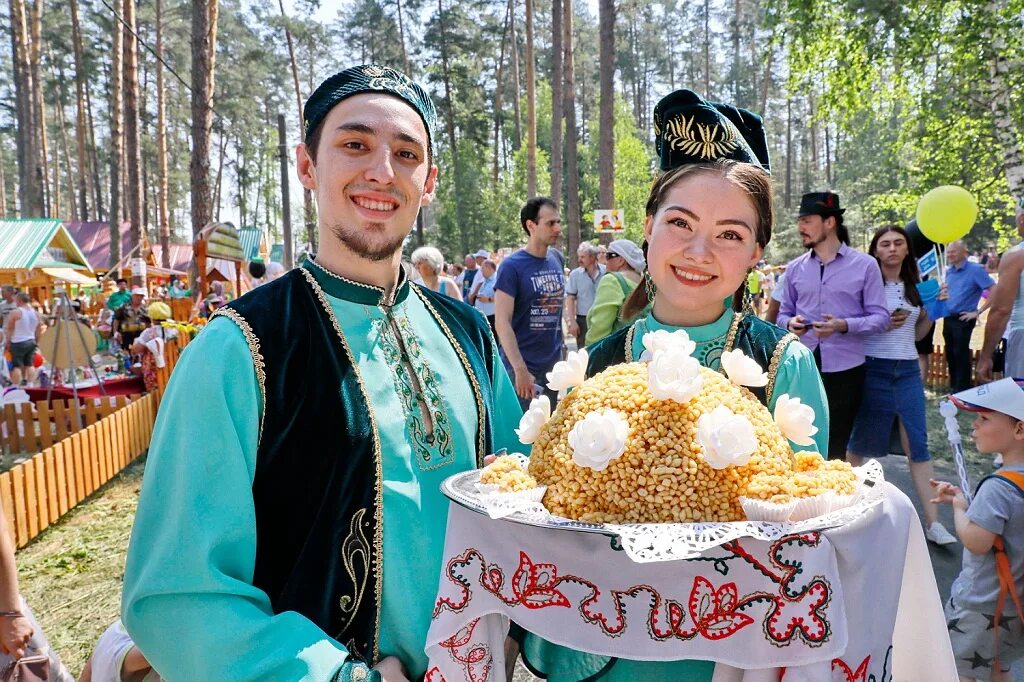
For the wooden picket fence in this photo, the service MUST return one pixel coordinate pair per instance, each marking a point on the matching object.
(40, 490)
(938, 370)
(33, 427)
(74, 459)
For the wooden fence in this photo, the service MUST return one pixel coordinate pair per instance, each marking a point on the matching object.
(73, 459)
(33, 427)
(40, 490)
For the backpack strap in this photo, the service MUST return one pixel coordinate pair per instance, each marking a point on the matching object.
(1003, 571)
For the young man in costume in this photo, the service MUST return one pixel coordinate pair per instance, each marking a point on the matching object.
(290, 525)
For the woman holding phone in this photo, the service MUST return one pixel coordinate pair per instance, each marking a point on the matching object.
(893, 388)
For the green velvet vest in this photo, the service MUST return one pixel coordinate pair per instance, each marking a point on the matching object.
(318, 487)
(762, 341)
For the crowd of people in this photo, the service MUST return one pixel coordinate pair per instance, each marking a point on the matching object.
(302, 538)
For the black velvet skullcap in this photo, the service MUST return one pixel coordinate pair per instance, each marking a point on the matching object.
(368, 78)
(689, 129)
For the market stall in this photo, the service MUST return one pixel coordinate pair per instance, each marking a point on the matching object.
(219, 242)
(37, 254)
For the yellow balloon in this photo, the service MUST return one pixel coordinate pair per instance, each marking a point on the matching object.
(946, 213)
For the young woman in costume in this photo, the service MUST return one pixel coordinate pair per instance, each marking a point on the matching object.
(709, 218)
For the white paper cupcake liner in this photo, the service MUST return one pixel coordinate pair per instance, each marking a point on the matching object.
(763, 510)
(813, 507)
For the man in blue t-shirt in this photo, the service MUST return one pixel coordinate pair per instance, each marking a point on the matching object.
(528, 301)
(965, 282)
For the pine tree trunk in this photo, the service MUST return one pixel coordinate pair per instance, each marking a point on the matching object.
(116, 144)
(94, 163)
(204, 41)
(307, 195)
(556, 99)
(42, 173)
(163, 221)
(789, 153)
(531, 106)
(572, 172)
(1003, 119)
(450, 121)
(220, 172)
(515, 75)
(606, 141)
(4, 211)
(707, 48)
(65, 150)
(29, 191)
(737, 12)
(401, 37)
(83, 164)
(498, 85)
(133, 143)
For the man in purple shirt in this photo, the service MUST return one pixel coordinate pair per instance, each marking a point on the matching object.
(832, 298)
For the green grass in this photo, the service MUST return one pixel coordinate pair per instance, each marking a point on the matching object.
(71, 575)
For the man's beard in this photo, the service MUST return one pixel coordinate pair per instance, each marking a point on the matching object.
(360, 242)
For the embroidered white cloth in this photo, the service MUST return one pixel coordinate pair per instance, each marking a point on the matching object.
(856, 601)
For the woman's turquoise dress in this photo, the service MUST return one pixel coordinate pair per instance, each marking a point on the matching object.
(791, 370)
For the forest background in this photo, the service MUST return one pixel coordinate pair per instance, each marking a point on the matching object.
(165, 113)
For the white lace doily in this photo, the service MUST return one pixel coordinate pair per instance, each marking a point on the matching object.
(648, 542)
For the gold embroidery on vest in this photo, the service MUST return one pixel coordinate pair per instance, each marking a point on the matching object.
(773, 367)
(355, 557)
(378, 485)
(257, 358)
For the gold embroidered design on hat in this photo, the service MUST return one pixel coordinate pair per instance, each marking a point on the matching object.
(708, 141)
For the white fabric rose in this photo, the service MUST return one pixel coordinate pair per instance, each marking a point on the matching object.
(598, 438)
(663, 339)
(570, 372)
(742, 369)
(727, 439)
(534, 420)
(794, 419)
(674, 375)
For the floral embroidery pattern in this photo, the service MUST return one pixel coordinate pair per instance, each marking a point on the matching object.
(434, 448)
(797, 611)
(842, 672)
(475, 659)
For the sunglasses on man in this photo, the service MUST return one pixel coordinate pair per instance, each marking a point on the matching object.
(612, 254)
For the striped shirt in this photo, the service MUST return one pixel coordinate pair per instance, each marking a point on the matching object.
(895, 344)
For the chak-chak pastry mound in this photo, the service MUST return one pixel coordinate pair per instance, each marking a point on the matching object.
(670, 441)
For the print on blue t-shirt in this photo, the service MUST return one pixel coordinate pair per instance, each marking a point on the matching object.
(538, 287)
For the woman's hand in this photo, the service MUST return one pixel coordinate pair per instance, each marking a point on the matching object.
(15, 632)
(392, 670)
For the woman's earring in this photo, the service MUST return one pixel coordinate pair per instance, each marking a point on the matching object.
(649, 286)
(748, 299)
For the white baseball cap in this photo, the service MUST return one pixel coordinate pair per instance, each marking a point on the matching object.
(482, 253)
(1005, 396)
(139, 291)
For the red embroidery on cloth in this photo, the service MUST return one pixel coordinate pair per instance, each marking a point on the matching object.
(476, 659)
(858, 675)
(796, 610)
(534, 584)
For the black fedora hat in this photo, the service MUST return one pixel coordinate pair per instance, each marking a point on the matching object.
(820, 203)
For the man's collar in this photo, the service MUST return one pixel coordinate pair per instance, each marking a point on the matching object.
(350, 290)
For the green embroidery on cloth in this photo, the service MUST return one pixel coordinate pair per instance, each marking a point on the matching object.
(433, 449)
